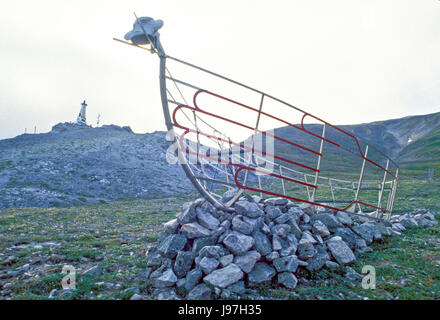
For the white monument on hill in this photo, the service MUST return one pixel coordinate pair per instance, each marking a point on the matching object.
(81, 119)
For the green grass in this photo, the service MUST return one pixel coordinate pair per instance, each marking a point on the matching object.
(116, 236)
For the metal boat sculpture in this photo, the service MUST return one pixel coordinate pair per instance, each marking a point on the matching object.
(217, 139)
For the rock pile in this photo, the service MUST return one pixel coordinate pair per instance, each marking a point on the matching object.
(206, 253)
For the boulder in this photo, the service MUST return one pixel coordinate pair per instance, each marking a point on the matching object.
(188, 214)
(240, 226)
(247, 261)
(192, 278)
(224, 277)
(238, 243)
(207, 220)
(289, 263)
(200, 292)
(340, 251)
(320, 228)
(262, 274)
(329, 220)
(167, 279)
(208, 265)
(344, 218)
(248, 209)
(365, 231)
(262, 243)
(194, 230)
(183, 263)
(288, 280)
(172, 244)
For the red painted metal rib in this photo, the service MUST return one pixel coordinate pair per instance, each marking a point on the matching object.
(263, 113)
(239, 124)
(239, 185)
(240, 166)
(248, 148)
(349, 134)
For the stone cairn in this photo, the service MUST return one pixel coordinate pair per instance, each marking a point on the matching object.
(206, 253)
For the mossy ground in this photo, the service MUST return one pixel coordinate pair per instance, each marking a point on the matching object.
(116, 236)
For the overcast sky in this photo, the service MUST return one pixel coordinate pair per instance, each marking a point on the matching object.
(346, 61)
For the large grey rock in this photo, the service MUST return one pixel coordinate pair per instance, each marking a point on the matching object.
(188, 214)
(318, 261)
(248, 209)
(226, 260)
(171, 245)
(425, 223)
(272, 212)
(348, 236)
(278, 201)
(294, 228)
(409, 223)
(183, 263)
(238, 288)
(200, 292)
(256, 223)
(208, 264)
(262, 274)
(282, 218)
(167, 279)
(192, 278)
(194, 230)
(240, 226)
(288, 280)
(340, 251)
(224, 277)
(289, 263)
(365, 231)
(247, 261)
(154, 257)
(281, 230)
(199, 243)
(166, 294)
(306, 250)
(212, 252)
(329, 220)
(171, 226)
(320, 229)
(207, 220)
(238, 243)
(344, 218)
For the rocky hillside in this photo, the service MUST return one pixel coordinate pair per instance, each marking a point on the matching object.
(74, 165)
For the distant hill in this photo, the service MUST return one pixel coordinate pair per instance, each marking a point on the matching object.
(413, 140)
(75, 164)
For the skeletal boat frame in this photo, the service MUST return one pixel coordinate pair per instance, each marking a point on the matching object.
(201, 179)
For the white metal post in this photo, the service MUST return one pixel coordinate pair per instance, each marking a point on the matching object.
(319, 163)
(352, 209)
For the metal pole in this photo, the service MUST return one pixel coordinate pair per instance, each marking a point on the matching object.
(393, 193)
(308, 191)
(379, 202)
(319, 162)
(360, 179)
(331, 189)
(282, 182)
